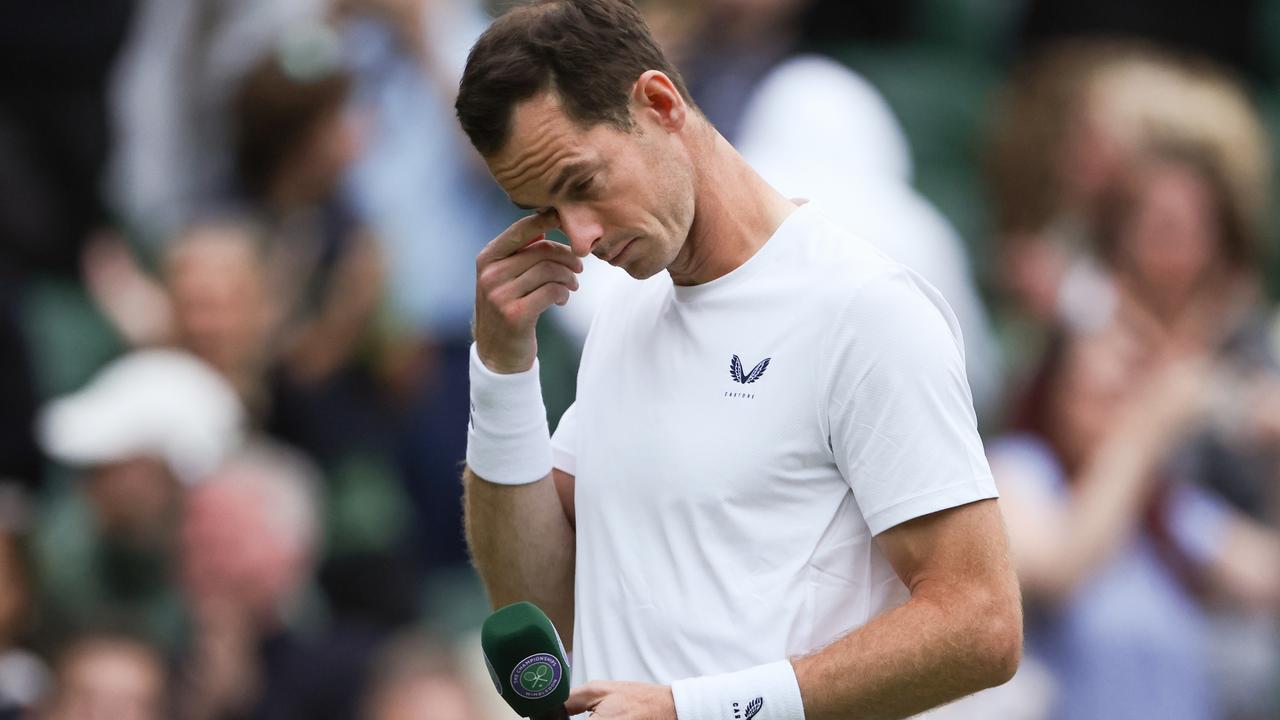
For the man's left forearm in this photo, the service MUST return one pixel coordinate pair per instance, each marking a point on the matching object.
(943, 644)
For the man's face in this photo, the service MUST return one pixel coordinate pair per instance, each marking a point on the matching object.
(424, 698)
(1170, 238)
(108, 679)
(231, 551)
(220, 299)
(626, 197)
(133, 500)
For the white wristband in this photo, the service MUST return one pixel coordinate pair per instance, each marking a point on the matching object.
(764, 692)
(507, 437)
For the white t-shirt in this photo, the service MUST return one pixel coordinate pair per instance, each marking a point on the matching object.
(737, 444)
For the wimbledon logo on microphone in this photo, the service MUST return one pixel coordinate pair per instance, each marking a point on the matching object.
(536, 676)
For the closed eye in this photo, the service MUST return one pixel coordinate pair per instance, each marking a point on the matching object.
(584, 187)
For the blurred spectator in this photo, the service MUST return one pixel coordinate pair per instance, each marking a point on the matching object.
(211, 299)
(1111, 549)
(1183, 247)
(293, 139)
(414, 680)
(335, 368)
(102, 676)
(172, 153)
(245, 104)
(1039, 213)
(250, 541)
(1074, 492)
(418, 182)
(1070, 123)
(816, 130)
(223, 310)
(423, 190)
(294, 143)
(225, 288)
(160, 408)
(146, 425)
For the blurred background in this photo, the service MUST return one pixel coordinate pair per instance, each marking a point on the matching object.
(237, 245)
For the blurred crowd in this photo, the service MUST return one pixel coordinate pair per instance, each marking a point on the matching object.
(237, 244)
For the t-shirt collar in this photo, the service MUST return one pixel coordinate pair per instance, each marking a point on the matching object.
(789, 226)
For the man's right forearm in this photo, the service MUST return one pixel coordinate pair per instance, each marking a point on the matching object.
(521, 541)
(522, 545)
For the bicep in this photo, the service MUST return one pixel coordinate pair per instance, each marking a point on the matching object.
(898, 409)
(961, 547)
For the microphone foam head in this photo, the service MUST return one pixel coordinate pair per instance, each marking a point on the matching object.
(526, 659)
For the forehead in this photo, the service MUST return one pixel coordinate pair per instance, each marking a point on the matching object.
(543, 140)
(213, 247)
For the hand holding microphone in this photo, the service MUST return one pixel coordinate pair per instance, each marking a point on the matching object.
(528, 666)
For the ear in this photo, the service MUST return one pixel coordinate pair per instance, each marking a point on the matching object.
(655, 96)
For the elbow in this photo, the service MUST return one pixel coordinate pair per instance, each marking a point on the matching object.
(999, 638)
(1004, 652)
(988, 634)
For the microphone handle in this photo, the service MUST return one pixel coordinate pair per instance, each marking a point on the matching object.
(556, 713)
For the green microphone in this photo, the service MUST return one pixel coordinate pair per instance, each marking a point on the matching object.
(526, 661)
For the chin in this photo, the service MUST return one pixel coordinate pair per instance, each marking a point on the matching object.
(642, 269)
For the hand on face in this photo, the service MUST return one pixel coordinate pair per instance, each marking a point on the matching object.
(520, 274)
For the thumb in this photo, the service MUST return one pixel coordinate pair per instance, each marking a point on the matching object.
(585, 698)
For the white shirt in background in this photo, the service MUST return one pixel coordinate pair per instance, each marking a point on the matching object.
(815, 129)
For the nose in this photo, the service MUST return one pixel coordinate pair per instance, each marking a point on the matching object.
(582, 228)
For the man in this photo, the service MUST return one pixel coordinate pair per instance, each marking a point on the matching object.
(769, 499)
(249, 542)
(145, 429)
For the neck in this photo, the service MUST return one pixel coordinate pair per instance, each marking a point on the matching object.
(735, 213)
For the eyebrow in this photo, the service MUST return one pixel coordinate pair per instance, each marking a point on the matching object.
(575, 168)
(569, 171)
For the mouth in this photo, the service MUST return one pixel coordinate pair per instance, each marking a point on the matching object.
(617, 252)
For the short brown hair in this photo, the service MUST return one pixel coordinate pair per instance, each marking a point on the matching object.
(589, 52)
(274, 113)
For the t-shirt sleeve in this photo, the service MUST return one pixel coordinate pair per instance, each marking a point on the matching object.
(564, 451)
(899, 411)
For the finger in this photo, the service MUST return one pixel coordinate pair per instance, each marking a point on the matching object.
(494, 279)
(526, 258)
(585, 698)
(536, 302)
(522, 232)
(537, 276)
